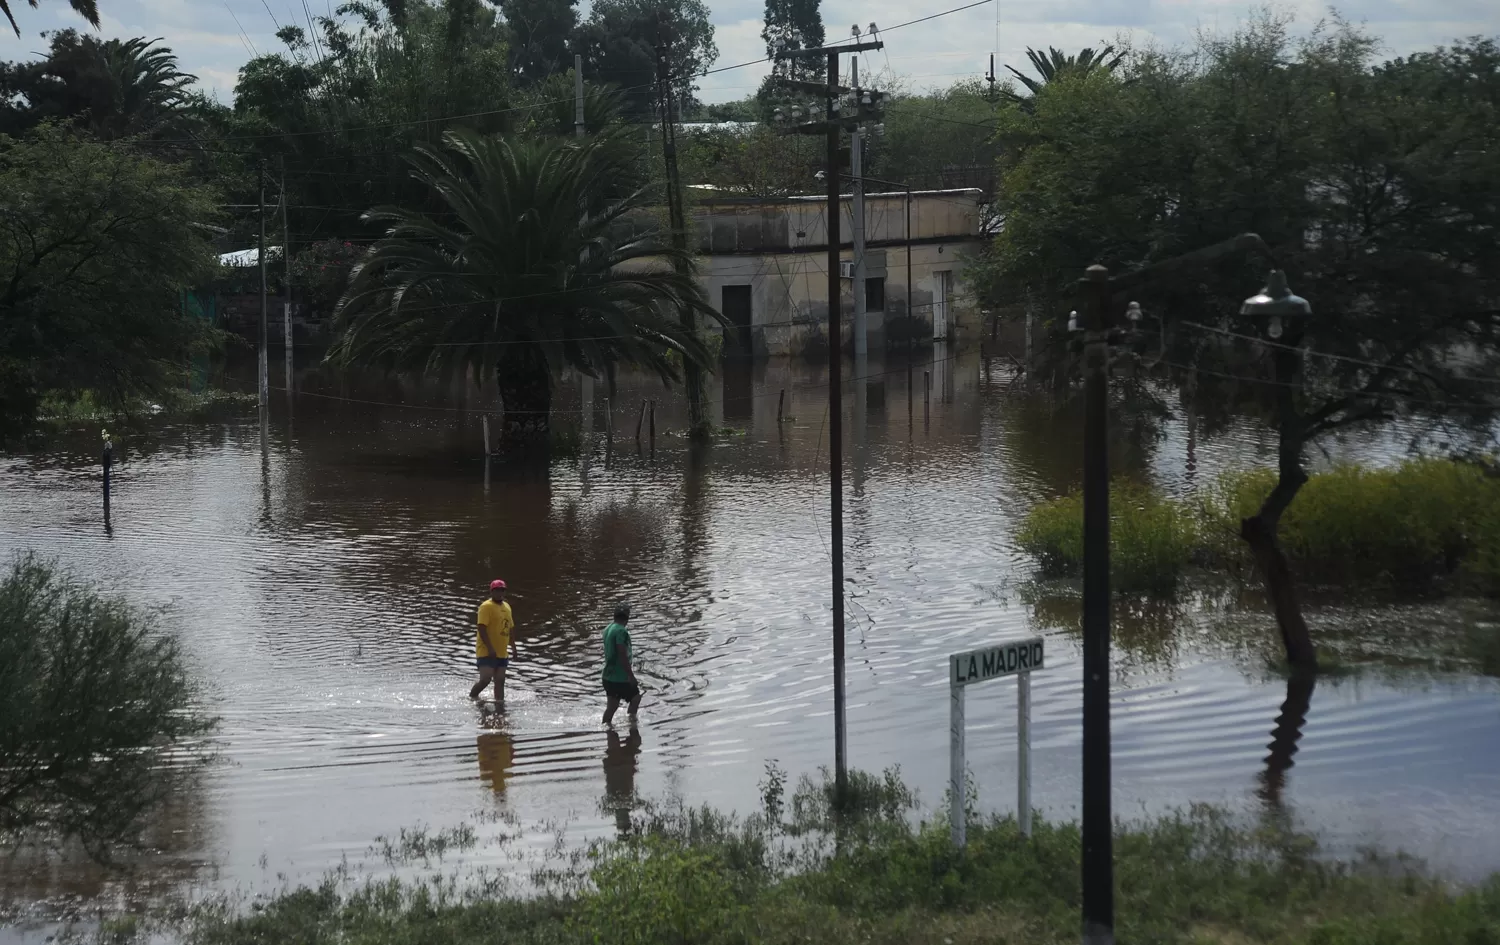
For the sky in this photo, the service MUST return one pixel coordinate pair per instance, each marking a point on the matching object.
(213, 38)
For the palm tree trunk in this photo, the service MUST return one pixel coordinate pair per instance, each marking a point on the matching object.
(526, 394)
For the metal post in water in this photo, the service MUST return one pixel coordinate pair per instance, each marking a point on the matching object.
(780, 406)
(652, 425)
(486, 419)
(640, 422)
(265, 364)
(108, 460)
(1098, 817)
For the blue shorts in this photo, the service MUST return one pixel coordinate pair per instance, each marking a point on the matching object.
(492, 662)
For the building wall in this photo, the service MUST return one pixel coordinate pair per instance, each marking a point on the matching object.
(789, 294)
(779, 248)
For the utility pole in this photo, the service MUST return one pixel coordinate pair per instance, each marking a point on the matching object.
(578, 122)
(286, 258)
(265, 365)
(856, 167)
(833, 126)
(692, 375)
(1098, 817)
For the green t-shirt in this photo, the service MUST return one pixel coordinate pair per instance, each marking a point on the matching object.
(614, 670)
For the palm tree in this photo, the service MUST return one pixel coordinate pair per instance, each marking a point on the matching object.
(1056, 63)
(149, 90)
(528, 269)
(88, 9)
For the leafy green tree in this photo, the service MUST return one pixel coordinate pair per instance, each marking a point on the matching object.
(1375, 185)
(790, 25)
(540, 34)
(341, 106)
(88, 9)
(93, 696)
(530, 266)
(752, 161)
(97, 244)
(938, 139)
(619, 41)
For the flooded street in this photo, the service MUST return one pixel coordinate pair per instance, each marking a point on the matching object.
(325, 591)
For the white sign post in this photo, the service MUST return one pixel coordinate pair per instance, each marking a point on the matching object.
(976, 666)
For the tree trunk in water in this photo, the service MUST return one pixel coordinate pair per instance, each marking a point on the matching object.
(1260, 534)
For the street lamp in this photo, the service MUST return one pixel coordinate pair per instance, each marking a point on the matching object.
(1277, 306)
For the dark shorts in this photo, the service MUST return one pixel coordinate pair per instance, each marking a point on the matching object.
(624, 691)
(492, 662)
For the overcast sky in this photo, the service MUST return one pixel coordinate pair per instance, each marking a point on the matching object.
(213, 38)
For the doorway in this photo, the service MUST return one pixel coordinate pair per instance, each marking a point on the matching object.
(942, 292)
(735, 304)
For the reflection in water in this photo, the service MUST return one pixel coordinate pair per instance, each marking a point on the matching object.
(497, 755)
(739, 400)
(619, 775)
(1285, 736)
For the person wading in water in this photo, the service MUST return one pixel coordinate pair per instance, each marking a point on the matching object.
(619, 674)
(493, 646)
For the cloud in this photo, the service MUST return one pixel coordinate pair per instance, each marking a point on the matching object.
(212, 39)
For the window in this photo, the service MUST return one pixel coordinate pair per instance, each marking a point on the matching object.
(875, 294)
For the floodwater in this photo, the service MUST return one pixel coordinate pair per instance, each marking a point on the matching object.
(325, 590)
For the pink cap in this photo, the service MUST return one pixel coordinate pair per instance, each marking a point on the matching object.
(497, 585)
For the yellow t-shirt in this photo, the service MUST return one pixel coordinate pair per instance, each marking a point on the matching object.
(497, 620)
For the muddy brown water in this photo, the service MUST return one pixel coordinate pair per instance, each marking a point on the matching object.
(325, 591)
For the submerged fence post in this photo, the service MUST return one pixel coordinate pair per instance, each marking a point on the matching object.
(108, 460)
(653, 426)
(640, 422)
(486, 434)
(781, 406)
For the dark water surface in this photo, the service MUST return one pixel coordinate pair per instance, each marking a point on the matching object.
(326, 593)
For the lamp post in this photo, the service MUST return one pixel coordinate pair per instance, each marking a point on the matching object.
(1099, 290)
(1282, 315)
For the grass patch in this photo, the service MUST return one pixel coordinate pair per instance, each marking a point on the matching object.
(790, 873)
(1422, 525)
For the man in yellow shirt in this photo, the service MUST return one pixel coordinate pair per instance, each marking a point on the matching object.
(493, 646)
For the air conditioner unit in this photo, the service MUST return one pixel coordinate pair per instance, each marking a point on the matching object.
(846, 270)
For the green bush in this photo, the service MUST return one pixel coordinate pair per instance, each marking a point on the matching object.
(1404, 525)
(1408, 526)
(1152, 540)
(92, 697)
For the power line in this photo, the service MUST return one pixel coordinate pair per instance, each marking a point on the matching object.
(1325, 354)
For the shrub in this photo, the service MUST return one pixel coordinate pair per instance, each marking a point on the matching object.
(1151, 539)
(92, 697)
(1407, 525)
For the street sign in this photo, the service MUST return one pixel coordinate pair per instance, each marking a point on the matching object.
(993, 662)
(1018, 658)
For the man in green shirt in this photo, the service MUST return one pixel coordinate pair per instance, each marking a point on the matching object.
(619, 674)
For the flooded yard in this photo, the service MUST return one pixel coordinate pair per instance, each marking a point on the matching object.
(325, 590)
